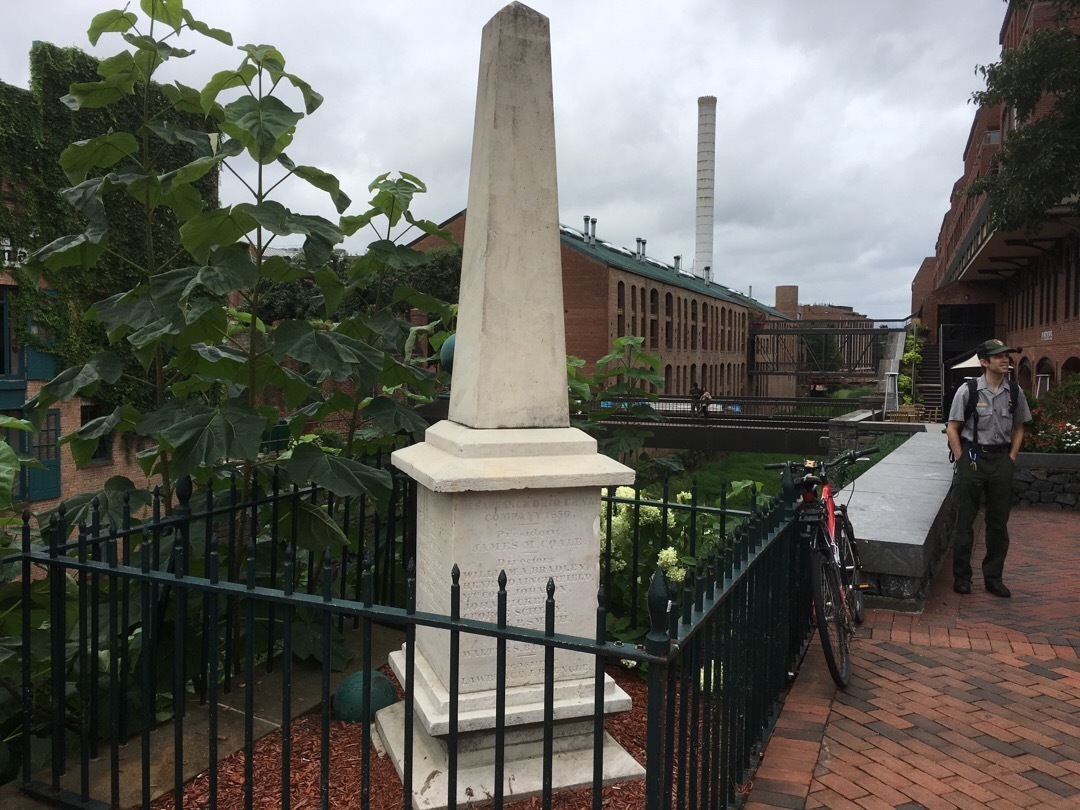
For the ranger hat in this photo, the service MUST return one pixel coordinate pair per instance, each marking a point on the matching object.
(992, 347)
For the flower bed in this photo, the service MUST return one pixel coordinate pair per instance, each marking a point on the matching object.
(1049, 435)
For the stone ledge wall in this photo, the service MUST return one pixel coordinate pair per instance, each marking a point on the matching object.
(1049, 480)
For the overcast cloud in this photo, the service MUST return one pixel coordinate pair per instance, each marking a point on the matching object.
(840, 123)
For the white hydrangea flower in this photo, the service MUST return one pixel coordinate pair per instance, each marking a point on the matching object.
(667, 559)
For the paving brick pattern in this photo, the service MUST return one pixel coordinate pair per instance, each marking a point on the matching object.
(973, 703)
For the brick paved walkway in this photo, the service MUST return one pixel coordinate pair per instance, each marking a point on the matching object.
(974, 703)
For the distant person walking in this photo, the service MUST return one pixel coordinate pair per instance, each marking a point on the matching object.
(695, 398)
(984, 438)
(703, 403)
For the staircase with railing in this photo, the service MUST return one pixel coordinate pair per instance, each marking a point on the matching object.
(928, 382)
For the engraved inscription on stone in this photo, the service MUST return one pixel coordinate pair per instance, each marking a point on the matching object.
(532, 535)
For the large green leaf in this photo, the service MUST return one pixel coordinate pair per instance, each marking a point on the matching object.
(265, 56)
(333, 290)
(427, 303)
(85, 440)
(100, 152)
(118, 494)
(86, 198)
(381, 325)
(320, 179)
(173, 411)
(342, 476)
(187, 99)
(205, 231)
(225, 362)
(393, 417)
(263, 125)
(225, 80)
(192, 171)
(329, 353)
(279, 269)
(169, 132)
(430, 228)
(350, 225)
(397, 257)
(209, 435)
(321, 234)
(116, 311)
(169, 289)
(230, 269)
(205, 321)
(416, 377)
(315, 529)
(169, 12)
(312, 100)
(117, 20)
(221, 36)
(93, 95)
(13, 423)
(9, 473)
(77, 250)
(104, 367)
(184, 200)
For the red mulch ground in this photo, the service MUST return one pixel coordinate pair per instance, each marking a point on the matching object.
(627, 728)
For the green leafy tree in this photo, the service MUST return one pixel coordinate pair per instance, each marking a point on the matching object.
(1037, 168)
(220, 376)
(438, 277)
(621, 387)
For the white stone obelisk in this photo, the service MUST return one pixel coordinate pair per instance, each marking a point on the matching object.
(505, 484)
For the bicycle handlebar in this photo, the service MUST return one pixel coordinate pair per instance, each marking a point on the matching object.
(844, 458)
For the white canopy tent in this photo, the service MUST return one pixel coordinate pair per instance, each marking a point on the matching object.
(971, 362)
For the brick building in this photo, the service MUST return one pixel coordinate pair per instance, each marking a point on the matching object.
(696, 327)
(981, 282)
(32, 213)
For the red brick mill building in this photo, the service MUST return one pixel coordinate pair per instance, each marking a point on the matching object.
(698, 328)
(1020, 287)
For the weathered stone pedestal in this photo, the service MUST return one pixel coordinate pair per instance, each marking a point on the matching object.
(523, 501)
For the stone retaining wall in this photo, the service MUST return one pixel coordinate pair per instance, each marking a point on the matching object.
(1048, 480)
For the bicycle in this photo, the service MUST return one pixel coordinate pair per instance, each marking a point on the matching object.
(835, 565)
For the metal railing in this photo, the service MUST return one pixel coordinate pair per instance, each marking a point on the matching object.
(684, 407)
(134, 632)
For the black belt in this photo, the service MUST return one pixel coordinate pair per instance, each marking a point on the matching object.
(989, 448)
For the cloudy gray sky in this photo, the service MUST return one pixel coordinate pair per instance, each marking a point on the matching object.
(840, 123)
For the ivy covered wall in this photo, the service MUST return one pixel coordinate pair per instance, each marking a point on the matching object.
(35, 128)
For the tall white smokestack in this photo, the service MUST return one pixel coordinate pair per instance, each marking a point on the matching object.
(706, 181)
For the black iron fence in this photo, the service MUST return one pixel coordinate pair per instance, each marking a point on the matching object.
(134, 633)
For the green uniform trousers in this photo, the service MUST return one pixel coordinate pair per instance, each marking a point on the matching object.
(992, 478)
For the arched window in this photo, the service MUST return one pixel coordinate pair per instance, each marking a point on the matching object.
(693, 324)
(654, 319)
(1069, 368)
(1025, 374)
(668, 332)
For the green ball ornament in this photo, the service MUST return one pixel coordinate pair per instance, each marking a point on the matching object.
(349, 698)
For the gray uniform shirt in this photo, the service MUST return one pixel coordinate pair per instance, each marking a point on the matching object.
(992, 411)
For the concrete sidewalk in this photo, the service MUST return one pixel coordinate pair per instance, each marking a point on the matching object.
(973, 703)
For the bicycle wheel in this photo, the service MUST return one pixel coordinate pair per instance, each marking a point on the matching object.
(832, 623)
(851, 570)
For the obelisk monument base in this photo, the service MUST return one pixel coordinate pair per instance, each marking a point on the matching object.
(525, 502)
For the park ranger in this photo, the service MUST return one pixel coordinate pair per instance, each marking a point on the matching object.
(985, 440)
